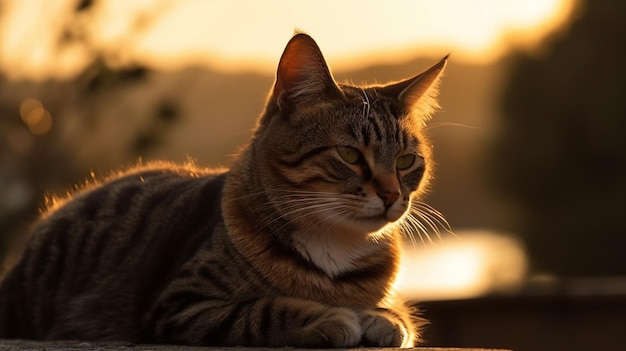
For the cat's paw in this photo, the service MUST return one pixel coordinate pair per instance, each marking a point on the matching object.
(381, 328)
(337, 327)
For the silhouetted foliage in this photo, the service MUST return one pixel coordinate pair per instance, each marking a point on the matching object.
(84, 5)
(165, 114)
(35, 165)
(102, 77)
(561, 152)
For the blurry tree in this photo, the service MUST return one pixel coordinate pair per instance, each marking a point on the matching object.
(35, 161)
(561, 152)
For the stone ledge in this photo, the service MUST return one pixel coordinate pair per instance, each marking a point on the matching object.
(27, 345)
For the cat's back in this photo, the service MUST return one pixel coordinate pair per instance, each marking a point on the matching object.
(112, 247)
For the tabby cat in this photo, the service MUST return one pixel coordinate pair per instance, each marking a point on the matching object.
(296, 245)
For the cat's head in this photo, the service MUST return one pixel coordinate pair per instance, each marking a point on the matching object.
(341, 156)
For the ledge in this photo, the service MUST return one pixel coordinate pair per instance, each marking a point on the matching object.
(27, 345)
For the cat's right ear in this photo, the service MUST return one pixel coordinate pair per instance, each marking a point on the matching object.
(303, 75)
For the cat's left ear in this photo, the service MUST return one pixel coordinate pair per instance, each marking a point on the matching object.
(419, 94)
(302, 74)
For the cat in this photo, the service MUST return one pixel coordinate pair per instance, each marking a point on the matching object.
(297, 244)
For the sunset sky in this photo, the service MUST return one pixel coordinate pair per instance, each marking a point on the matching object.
(250, 35)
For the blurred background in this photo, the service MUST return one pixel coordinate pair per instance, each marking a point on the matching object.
(530, 143)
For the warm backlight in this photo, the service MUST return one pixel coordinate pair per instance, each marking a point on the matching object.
(250, 35)
(38, 40)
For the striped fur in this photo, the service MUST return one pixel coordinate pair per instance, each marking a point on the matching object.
(296, 245)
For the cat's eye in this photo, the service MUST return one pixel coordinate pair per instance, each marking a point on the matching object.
(405, 161)
(349, 154)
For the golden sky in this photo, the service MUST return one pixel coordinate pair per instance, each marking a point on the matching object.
(250, 35)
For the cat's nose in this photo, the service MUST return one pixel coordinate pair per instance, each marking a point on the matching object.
(389, 197)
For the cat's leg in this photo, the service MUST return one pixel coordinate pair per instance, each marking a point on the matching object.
(384, 327)
(266, 321)
(326, 327)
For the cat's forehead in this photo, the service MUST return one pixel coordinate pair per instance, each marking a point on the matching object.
(366, 107)
(374, 119)
(370, 99)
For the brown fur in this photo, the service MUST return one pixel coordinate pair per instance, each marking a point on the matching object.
(298, 244)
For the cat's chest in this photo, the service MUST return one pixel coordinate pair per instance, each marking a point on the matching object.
(333, 268)
(329, 274)
(334, 253)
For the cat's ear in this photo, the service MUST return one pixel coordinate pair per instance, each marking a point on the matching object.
(302, 74)
(419, 94)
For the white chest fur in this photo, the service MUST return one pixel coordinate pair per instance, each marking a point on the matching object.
(336, 252)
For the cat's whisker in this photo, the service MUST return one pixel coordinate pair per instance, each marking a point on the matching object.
(309, 213)
(303, 192)
(433, 214)
(448, 124)
(317, 207)
(243, 197)
(412, 238)
(406, 229)
(427, 221)
(423, 231)
(300, 199)
(288, 193)
(336, 216)
(304, 196)
(285, 200)
(294, 209)
(418, 227)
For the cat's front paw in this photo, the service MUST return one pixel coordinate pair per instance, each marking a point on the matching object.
(337, 327)
(382, 328)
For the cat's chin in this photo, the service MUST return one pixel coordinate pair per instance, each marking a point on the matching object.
(367, 226)
(372, 224)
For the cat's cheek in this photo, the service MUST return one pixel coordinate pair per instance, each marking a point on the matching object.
(414, 180)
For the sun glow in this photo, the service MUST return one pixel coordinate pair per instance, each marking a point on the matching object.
(249, 35)
(466, 266)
